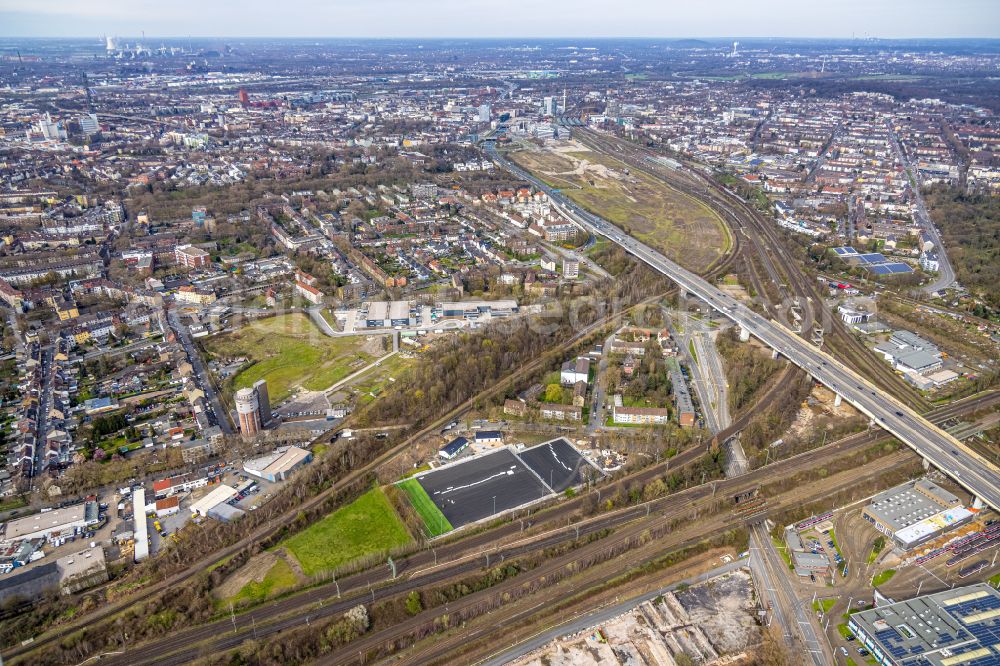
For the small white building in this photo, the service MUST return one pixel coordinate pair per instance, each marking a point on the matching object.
(575, 371)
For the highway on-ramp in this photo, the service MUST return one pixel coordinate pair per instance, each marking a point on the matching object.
(969, 469)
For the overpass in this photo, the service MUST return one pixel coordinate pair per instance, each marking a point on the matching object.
(970, 470)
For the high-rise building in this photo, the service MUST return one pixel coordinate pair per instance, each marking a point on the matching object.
(89, 124)
(263, 401)
(244, 97)
(484, 113)
(248, 411)
(571, 268)
(550, 106)
(50, 129)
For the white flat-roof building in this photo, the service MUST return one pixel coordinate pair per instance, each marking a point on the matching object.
(141, 532)
(82, 570)
(278, 465)
(220, 494)
(472, 310)
(65, 521)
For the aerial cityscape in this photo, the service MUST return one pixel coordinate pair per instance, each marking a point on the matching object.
(456, 343)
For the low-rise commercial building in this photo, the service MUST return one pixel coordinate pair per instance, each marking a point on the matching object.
(56, 524)
(168, 506)
(278, 465)
(218, 495)
(141, 530)
(82, 570)
(915, 512)
(957, 627)
(489, 437)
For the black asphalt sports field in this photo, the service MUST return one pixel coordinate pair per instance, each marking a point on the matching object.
(558, 463)
(464, 493)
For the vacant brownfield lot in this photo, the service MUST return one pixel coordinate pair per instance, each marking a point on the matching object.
(678, 225)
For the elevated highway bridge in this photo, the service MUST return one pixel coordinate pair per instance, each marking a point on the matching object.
(969, 469)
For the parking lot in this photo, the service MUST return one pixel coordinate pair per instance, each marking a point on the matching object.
(821, 540)
(168, 525)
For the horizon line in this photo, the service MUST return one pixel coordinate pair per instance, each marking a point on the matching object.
(511, 38)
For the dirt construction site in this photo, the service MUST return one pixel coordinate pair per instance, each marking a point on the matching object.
(710, 623)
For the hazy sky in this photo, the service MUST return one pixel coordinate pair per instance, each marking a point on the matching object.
(508, 18)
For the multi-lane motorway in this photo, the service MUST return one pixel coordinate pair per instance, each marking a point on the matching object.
(969, 469)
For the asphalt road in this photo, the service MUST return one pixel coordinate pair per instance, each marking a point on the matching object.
(946, 274)
(765, 563)
(204, 380)
(969, 469)
(39, 463)
(597, 407)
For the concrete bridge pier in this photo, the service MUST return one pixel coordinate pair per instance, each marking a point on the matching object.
(977, 503)
(927, 464)
(837, 400)
(774, 353)
(744, 334)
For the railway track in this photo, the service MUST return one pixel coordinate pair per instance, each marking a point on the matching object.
(628, 538)
(768, 245)
(272, 526)
(467, 555)
(720, 267)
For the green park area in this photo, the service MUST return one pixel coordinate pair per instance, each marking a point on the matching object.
(290, 351)
(433, 519)
(677, 224)
(366, 526)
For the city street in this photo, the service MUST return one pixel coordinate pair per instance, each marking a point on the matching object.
(204, 379)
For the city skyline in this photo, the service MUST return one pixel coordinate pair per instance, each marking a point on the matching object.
(893, 19)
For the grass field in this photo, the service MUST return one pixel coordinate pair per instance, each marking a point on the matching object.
(876, 549)
(824, 604)
(288, 351)
(367, 526)
(433, 519)
(372, 383)
(783, 551)
(679, 225)
(883, 577)
(278, 579)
